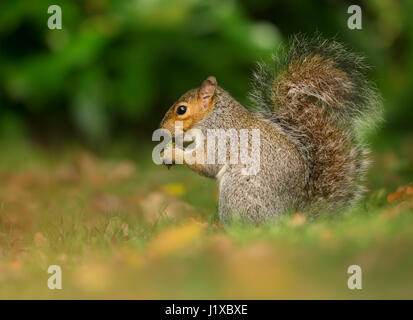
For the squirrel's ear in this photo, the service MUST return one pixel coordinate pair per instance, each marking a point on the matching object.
(207, 90)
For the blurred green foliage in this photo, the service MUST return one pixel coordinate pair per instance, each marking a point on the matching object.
(116, 66)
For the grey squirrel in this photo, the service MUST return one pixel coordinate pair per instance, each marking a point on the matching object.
(308, 107)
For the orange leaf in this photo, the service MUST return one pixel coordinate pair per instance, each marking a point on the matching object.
(394, 196)
(298, 219)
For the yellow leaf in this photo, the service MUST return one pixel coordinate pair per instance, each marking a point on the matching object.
(175, 239)
(129, 257)
(174, 189)
(93, 276)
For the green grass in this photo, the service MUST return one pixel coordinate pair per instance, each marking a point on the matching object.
(121, 227)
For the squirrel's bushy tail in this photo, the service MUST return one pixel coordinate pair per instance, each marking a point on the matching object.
(318, 94)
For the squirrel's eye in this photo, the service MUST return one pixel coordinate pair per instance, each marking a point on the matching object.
(181, 110)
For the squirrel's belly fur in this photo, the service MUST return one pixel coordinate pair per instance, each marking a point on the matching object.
(279, 185)
(308, 107)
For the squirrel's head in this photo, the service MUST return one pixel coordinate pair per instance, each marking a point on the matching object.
(192, 107)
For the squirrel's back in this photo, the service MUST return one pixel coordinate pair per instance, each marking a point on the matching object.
(318, 94)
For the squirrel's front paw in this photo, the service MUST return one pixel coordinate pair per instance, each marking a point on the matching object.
(166, 156)
(169, 155)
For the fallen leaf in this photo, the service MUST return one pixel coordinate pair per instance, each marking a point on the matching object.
(174, 189)
(328, 238)
(40, 240)
(14, 265)
(220, 244)
(23, 180)
(218, 226)
(122, 171)
(175, 239)
(298, 219)
(92, 276)
(255, 270)
(397, 210)
(394, 196)
(176, 209)
(129, 257)
(402, 193)
(87, 166)
(67, 174)
(105, 202)
(125, 230)
(158, 204)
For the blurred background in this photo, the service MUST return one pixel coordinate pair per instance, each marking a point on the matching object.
(116, 66)
(78, 187)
